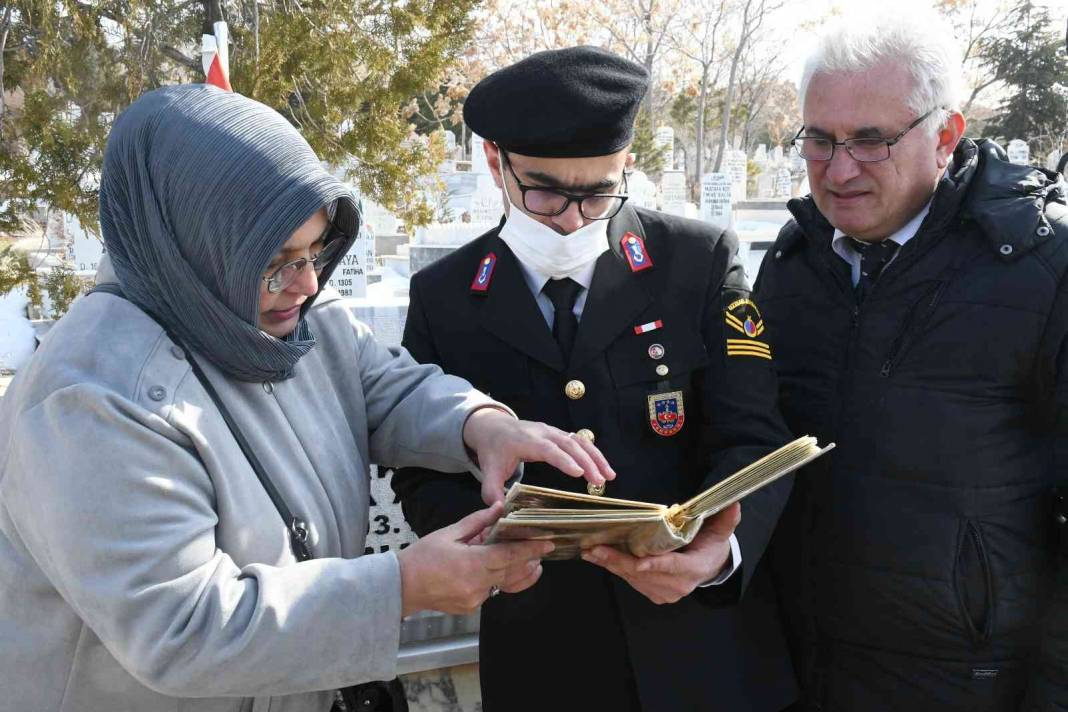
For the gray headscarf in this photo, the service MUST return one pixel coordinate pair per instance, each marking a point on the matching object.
(200, 189)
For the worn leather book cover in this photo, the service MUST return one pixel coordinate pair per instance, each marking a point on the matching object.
(575, 521)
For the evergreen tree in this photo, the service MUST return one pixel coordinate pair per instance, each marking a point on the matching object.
(342, 71)
(1030, 61)
(649, 158)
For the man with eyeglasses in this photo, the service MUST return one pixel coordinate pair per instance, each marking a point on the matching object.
(629, 327)
(918, 306)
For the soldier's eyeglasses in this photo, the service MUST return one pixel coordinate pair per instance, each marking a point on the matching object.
(550, 202)
(333, 242)
(865, 150)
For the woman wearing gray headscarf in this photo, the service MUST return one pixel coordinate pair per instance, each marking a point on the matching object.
(143, 564)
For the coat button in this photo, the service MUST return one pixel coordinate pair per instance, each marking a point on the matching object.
(585, 434)
(177, 352)
(157, 393)
(1042, 231)
(595, 490)
(778, 254)
(662, 370)
(1006, 249)
(268, 387)
(575, 389)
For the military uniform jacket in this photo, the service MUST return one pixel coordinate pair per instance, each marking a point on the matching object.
(582, 638)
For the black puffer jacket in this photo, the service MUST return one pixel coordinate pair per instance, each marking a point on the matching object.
(916, 564)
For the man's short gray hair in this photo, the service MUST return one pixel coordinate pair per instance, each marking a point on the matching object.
(921, 42)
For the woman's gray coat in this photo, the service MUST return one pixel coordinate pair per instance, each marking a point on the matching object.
(143, 567)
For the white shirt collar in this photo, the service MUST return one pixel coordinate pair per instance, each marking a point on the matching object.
(904, 234)
(536, 280)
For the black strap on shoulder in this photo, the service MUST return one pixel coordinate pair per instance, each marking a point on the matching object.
(297, 528)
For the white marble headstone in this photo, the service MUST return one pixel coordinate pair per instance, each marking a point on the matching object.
(776, 155)
(378, 219)
(716, 199)
(783, 183)
(1051, 159)
(673, 192)
(765, 184)
(478, 155)
(486, 205)
(665, 139)
(1019, 152)
(641, 190)
(349, 278)
(760, 155)
(83, 249)
(738, 167)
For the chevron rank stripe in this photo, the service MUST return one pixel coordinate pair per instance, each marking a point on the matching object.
(748, 347)
(754, 329)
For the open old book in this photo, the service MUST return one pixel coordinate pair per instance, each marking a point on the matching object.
(575, 521)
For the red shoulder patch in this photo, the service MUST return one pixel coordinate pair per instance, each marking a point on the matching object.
(484, 274)
(638, 257)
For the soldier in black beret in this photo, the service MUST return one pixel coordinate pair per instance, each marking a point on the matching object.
(635, 329)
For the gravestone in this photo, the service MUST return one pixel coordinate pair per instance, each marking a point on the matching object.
(716, 199)
(478, 155)
(641, 190)
(738, 165)
(83, 250)
(783, 183)
(765, 184)
(486, 202)
(776, 155)
(797, 164)
(1019, 152)
(673, 192)
(665, 139)
(760, 155)
(449, 164)
(349, 278)
(378, 219)
(1052, 159)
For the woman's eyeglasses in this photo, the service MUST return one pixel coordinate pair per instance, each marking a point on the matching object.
(333, 240)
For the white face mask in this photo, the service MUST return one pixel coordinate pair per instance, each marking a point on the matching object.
(546, 251)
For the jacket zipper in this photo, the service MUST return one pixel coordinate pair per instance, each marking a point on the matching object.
(910, 329)
(978, 636)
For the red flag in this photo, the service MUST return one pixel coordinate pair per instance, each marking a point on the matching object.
(215, 57)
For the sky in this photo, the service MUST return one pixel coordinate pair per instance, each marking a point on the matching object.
(803, 43)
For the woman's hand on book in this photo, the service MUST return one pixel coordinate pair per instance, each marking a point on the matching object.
(667, 578)
(450, 571)
(501, 442)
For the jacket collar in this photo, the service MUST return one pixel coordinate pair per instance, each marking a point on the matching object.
(1005, 200)
(1008, 203)
(616, 297)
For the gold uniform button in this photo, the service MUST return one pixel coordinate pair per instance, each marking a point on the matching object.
(595, 490)
(575, 389)
(662, 370)
(585, 434)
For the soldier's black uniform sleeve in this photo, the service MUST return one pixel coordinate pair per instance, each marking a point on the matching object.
(1049, 683)
(743, 422)
(430, 499)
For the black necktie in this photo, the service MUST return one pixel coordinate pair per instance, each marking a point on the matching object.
(874, 256)
(563, 293)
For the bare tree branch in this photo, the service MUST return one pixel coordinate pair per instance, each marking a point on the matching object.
(5, 29)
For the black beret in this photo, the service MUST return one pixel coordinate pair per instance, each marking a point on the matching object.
(565, 103)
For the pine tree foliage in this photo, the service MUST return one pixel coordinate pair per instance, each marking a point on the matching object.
(342, 71)
(1030, 61)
